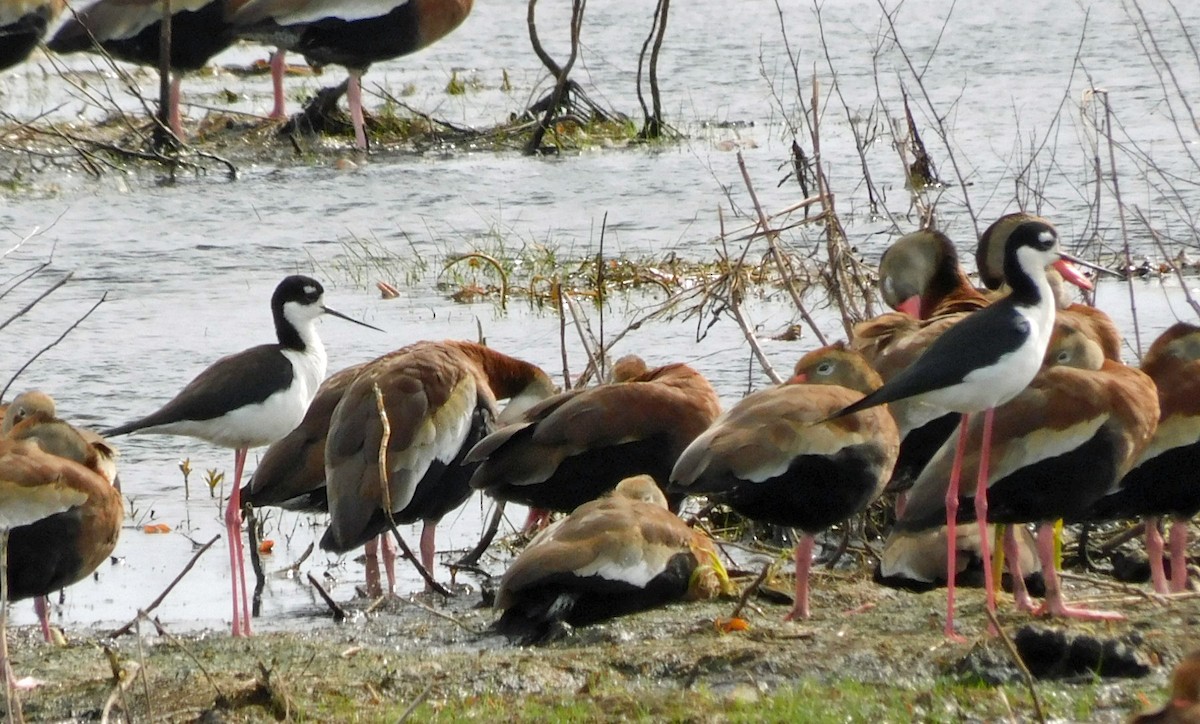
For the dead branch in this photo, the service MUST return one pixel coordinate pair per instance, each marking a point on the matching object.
(159, 599)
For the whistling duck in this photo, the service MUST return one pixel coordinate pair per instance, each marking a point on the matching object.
(32, 416)
(775, 456)
(23, 24)
(355, 36)
(983, 361)
(1184, 706)
(59, 519)
(610, 557)
(131, 30)
(920, 274)
(577, 445)
(1057, 447)
(70, 546)
(1164, 482)
(249, 399)
(439, 399)
(915, 560)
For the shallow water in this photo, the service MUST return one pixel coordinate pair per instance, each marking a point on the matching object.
(188, 268)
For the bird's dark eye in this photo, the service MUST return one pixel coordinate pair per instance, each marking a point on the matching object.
(824, 368)
(1046, 239)
(1064, 357)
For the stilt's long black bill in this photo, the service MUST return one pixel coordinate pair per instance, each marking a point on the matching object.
(1090, 265)
(350, 319)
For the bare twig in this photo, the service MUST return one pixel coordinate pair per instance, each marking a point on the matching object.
(159, 599)
(1026, 676)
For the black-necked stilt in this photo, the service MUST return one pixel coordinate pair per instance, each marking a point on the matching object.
(131, 30)
(439, 399)
(984, 360)
(775, 458)
(56, 518)
(1058, 446)
(989, 256)
(60, 550)
(1163, 481)
(23, 23)
(252, 398)
(610, 557)
(348, 34)
(576, 446)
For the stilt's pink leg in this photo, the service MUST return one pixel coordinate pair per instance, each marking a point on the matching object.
(901, 503)
(354, 96)
(952, 524)
(237, 564)
(427, 547)
(804, 552)
(42, 607)
(1154, 551)
(1012, 553)
(981, 508)
(278, 66)
(176, 120)
(1054, 604)
(1179, 572)
(388, 552)
(536, 520)
(371, 549)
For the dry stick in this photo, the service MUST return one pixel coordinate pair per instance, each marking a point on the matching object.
(415, 703)
(51, 346)
(155, 603)
(1026, 676)
(776, 254)
(1150, 596)
(749, 590)
(339, 613)
(1183, 283)
(562, 332)
(943, 134)
(439, 614)
(586, 338)
(736, 307)
(386, 493)
(600, 294)
(1116, 185)
(260, 578)
(141, 671)
(471, 558)
(833, 228)
(25, 309)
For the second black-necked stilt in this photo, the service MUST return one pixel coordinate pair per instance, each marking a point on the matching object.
(985, 360)
(252, 398)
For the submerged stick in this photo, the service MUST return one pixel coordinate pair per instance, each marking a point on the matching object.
(155, 603)
(339, 613)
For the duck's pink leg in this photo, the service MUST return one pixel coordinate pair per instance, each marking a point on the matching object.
(1154, 551)
(388, 552)
(354, 96)
(428, 530)
(952, 525)
(42, 607)
(1179, 571)
(804, 552)
(1054, 604)
(371, 563)
(278, 66)
(1012, 553)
